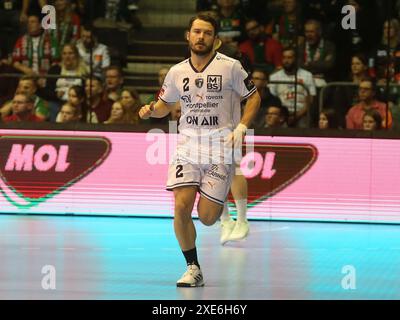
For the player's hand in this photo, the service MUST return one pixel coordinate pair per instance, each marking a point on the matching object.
(235, 139)
(146, 111)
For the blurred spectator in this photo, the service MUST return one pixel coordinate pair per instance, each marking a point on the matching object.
(231, 20)
(100, 53)
(56, 90)
(260, 80)
(358, 40)
(329, 12)
(31, 7)
(68, 114)
(119, 14)
(35, 52)
(257, 9)
(8, 85)
(276, 117)
(289, 26)
(317, 55)
(130, 100)
(98, 109)
(10, 14)
(328, 119)
(231, 48)
(27, 85)
(120, 114)
(395, 110)
(297, 99)
(385, 62)
(372, 120)
(114, 82)
(206, 5)
(341, 98)
(71, 66)
(68, 23)
(22, 107)
(76, 99)
(262, 50)
(359, 68)
(367, 101)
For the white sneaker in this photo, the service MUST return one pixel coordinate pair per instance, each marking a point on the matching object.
(240, 231)
(193, 277)
(226, 230)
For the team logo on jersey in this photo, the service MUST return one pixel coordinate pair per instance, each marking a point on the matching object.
(33, 169)
(187, 99)
(214, 83)
(199, 83)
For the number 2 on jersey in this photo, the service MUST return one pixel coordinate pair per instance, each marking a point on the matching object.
(185, 84)
(179, 169)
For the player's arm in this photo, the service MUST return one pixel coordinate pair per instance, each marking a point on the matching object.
(157, 109)
(251, 109)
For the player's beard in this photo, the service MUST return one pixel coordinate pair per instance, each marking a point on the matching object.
(204, 52)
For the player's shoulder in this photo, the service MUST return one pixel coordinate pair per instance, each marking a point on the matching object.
(222, 58)
(180, 65)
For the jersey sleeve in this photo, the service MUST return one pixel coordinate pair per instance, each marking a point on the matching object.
(242, 83)
(169, 93)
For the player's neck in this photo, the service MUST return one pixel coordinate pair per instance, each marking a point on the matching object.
(199, 62)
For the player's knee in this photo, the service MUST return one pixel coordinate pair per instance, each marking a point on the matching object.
(182, 210)
(208, 220)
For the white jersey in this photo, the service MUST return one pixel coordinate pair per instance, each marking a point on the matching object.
(286, 92)
(210, 99)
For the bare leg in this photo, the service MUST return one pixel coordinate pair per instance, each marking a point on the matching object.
(185, 231)
(209, 211)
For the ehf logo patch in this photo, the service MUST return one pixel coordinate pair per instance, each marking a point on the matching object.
(199, 83)
(214, 83)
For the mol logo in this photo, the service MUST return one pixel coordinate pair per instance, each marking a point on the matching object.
(270, 168)
(35, 168)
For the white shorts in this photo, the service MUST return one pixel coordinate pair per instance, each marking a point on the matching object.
(212, 180)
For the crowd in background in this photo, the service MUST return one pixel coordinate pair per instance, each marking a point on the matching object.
(67, 74)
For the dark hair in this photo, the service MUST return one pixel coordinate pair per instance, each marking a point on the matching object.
(89, 27)
(371, 80)
(289, 48)
(33, 79)
(113, 67)
(29, 98)
(376, 116)
(79, 91)
(330, 114)
(95, 78)
(35, 15)
(283, 111)
(362, 57)
(265, 73)
(205, 17)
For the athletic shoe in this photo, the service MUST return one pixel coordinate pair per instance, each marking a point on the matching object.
(226, 230)
(240, 231)
(193, 277)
